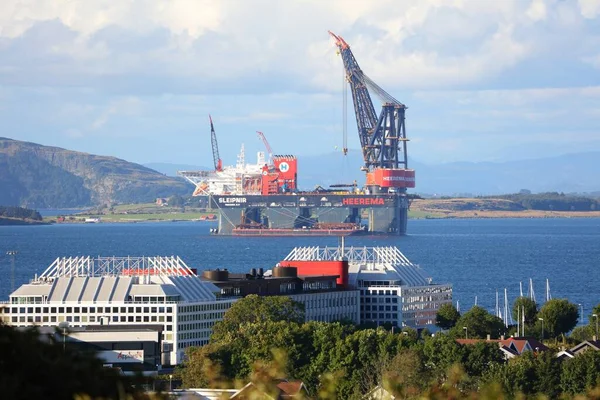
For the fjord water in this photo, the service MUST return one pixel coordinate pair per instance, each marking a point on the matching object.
(478, 256)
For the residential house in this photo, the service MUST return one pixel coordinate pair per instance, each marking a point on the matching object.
(511, 347)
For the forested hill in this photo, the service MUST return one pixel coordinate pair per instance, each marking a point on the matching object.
(39, 176)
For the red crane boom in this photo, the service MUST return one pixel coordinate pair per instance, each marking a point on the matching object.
(215, 147)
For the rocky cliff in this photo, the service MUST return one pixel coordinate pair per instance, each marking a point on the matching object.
(39, 176)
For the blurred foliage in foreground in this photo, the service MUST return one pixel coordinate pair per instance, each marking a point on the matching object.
(33, 366)
(341, 361)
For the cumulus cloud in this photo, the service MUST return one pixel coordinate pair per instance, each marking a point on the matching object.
(210, 46)
(90, 68)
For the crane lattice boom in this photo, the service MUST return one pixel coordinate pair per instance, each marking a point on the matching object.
(382, 138)
(215, 147)
(266, 143)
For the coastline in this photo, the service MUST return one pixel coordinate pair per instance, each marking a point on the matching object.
(484, 214)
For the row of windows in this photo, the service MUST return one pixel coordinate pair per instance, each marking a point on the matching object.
(381, 308)
(199, 317)
(85, 310)
(379, 292)
(382, 300)
(318, 285)
(193, 343)
(196, 326)
(193, 335)
(205, 307)
(91, 319)
(362, 283)
(327, 303)
(381, 316)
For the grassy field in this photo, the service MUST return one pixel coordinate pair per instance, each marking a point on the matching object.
(171, 216)
(485, 208)
(138, 213)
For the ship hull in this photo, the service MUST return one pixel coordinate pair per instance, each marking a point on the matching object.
(292, 214)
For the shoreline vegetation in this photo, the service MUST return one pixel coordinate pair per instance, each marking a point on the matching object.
(178, 209)
(485, 208)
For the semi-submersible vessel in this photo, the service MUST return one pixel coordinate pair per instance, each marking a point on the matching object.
(263, 199)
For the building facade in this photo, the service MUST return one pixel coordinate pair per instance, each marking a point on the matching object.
(323, 298)
(393, 291)
(82, 291)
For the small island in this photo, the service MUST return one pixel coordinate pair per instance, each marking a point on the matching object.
(20, 216)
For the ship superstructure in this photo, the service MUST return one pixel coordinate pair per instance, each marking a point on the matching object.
(264, 199)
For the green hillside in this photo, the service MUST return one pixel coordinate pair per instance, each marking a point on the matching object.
(39, 176)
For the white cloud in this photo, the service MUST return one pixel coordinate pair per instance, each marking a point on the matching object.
(589, 8)
(537, 10)
(206, 45)
(129, 106)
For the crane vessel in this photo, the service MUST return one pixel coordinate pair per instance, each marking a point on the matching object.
(263, 199)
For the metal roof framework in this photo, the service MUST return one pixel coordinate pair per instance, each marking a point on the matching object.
(388, 258)
(366, 255)
(116, 266)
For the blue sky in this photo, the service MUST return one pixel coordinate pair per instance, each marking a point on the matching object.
(484, 80)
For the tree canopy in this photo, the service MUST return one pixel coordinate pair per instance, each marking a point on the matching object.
(528, 306)
(447, 316)
(255, 309)
(479, 323)
(36, 367)
(559, 315)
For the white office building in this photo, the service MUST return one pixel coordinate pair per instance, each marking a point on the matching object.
(83, 291)
(393, 290)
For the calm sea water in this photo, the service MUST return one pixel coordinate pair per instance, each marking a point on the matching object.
(477, 256)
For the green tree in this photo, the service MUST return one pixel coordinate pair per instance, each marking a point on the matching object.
(363, 358)
(528, 306)
(406, 375)
(440, 353)
(447, 316)
(254, 308)
(581, 333)
(479, 323)
(32, 367)
(580, 373)
(176, 201)
(559, 316)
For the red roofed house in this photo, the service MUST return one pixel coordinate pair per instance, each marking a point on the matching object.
(511, 347)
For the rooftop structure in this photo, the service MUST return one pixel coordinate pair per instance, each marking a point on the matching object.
(82, 291)
(393, 290)
(323, 299)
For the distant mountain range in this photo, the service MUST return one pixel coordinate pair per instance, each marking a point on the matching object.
(39, 176)
(569, 173)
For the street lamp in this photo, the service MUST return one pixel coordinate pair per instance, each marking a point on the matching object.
(467, 332)
(170, 383)
(596, 316)
(542, 319)
(12, 254)
(64, 326)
